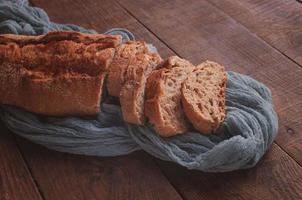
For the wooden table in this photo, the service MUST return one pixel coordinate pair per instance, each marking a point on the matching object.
(260, 38)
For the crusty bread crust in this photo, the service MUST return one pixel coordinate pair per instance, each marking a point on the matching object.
(175, 61)
(203, 96)
(57, 36)
(65, 95)
(163, 98)
(120, 63)
(61, 73)
(133, 91)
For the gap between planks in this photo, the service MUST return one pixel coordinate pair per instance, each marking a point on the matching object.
(27, 166)
(255, 34)
(146, 27)
(21, 164)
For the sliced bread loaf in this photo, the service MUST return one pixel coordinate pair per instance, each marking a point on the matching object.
(133, 91)
(203, 96)
(59, 74)
(120, 63)
(163, 97)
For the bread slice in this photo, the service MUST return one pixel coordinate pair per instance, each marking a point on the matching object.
(133, 91)
(203, 96)
(120, 63)
(163, 97)
(60, 73)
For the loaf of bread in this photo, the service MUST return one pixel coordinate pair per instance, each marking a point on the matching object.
(63, 73)
(132, 94)
(163, 97)
(60, 73)
(203, 96)
(120, 63)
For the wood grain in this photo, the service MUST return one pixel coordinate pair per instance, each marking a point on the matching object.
(100, 16)
(278, 22)
(15, 179)
(64, 176)
(197, 30)
(276, 176)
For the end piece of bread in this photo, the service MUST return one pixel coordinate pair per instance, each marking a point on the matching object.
(120, 63)
(163, 97)
(203, 96)
(133, 91)
(58, 74)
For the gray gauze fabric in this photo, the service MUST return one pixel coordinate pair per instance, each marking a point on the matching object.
(249, 129)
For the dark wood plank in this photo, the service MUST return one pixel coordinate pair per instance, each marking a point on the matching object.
(278, 22)
(15, 179)
(64, 176)
(198, 30)
(264, 182)
(100, 16)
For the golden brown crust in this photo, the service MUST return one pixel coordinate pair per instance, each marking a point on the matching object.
(65, 95)
(120, 63)
(203, 96)
(133, 91)
(56, 36)
(163, 100)
(58, 77)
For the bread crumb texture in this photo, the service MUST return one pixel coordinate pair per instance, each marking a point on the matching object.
(203, 96)
(132, 95)
(163, 97)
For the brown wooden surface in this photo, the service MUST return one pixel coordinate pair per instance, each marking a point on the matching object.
(196, 30)
(277, 176)
(16, 181)
(278, 22)
(66, 176)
